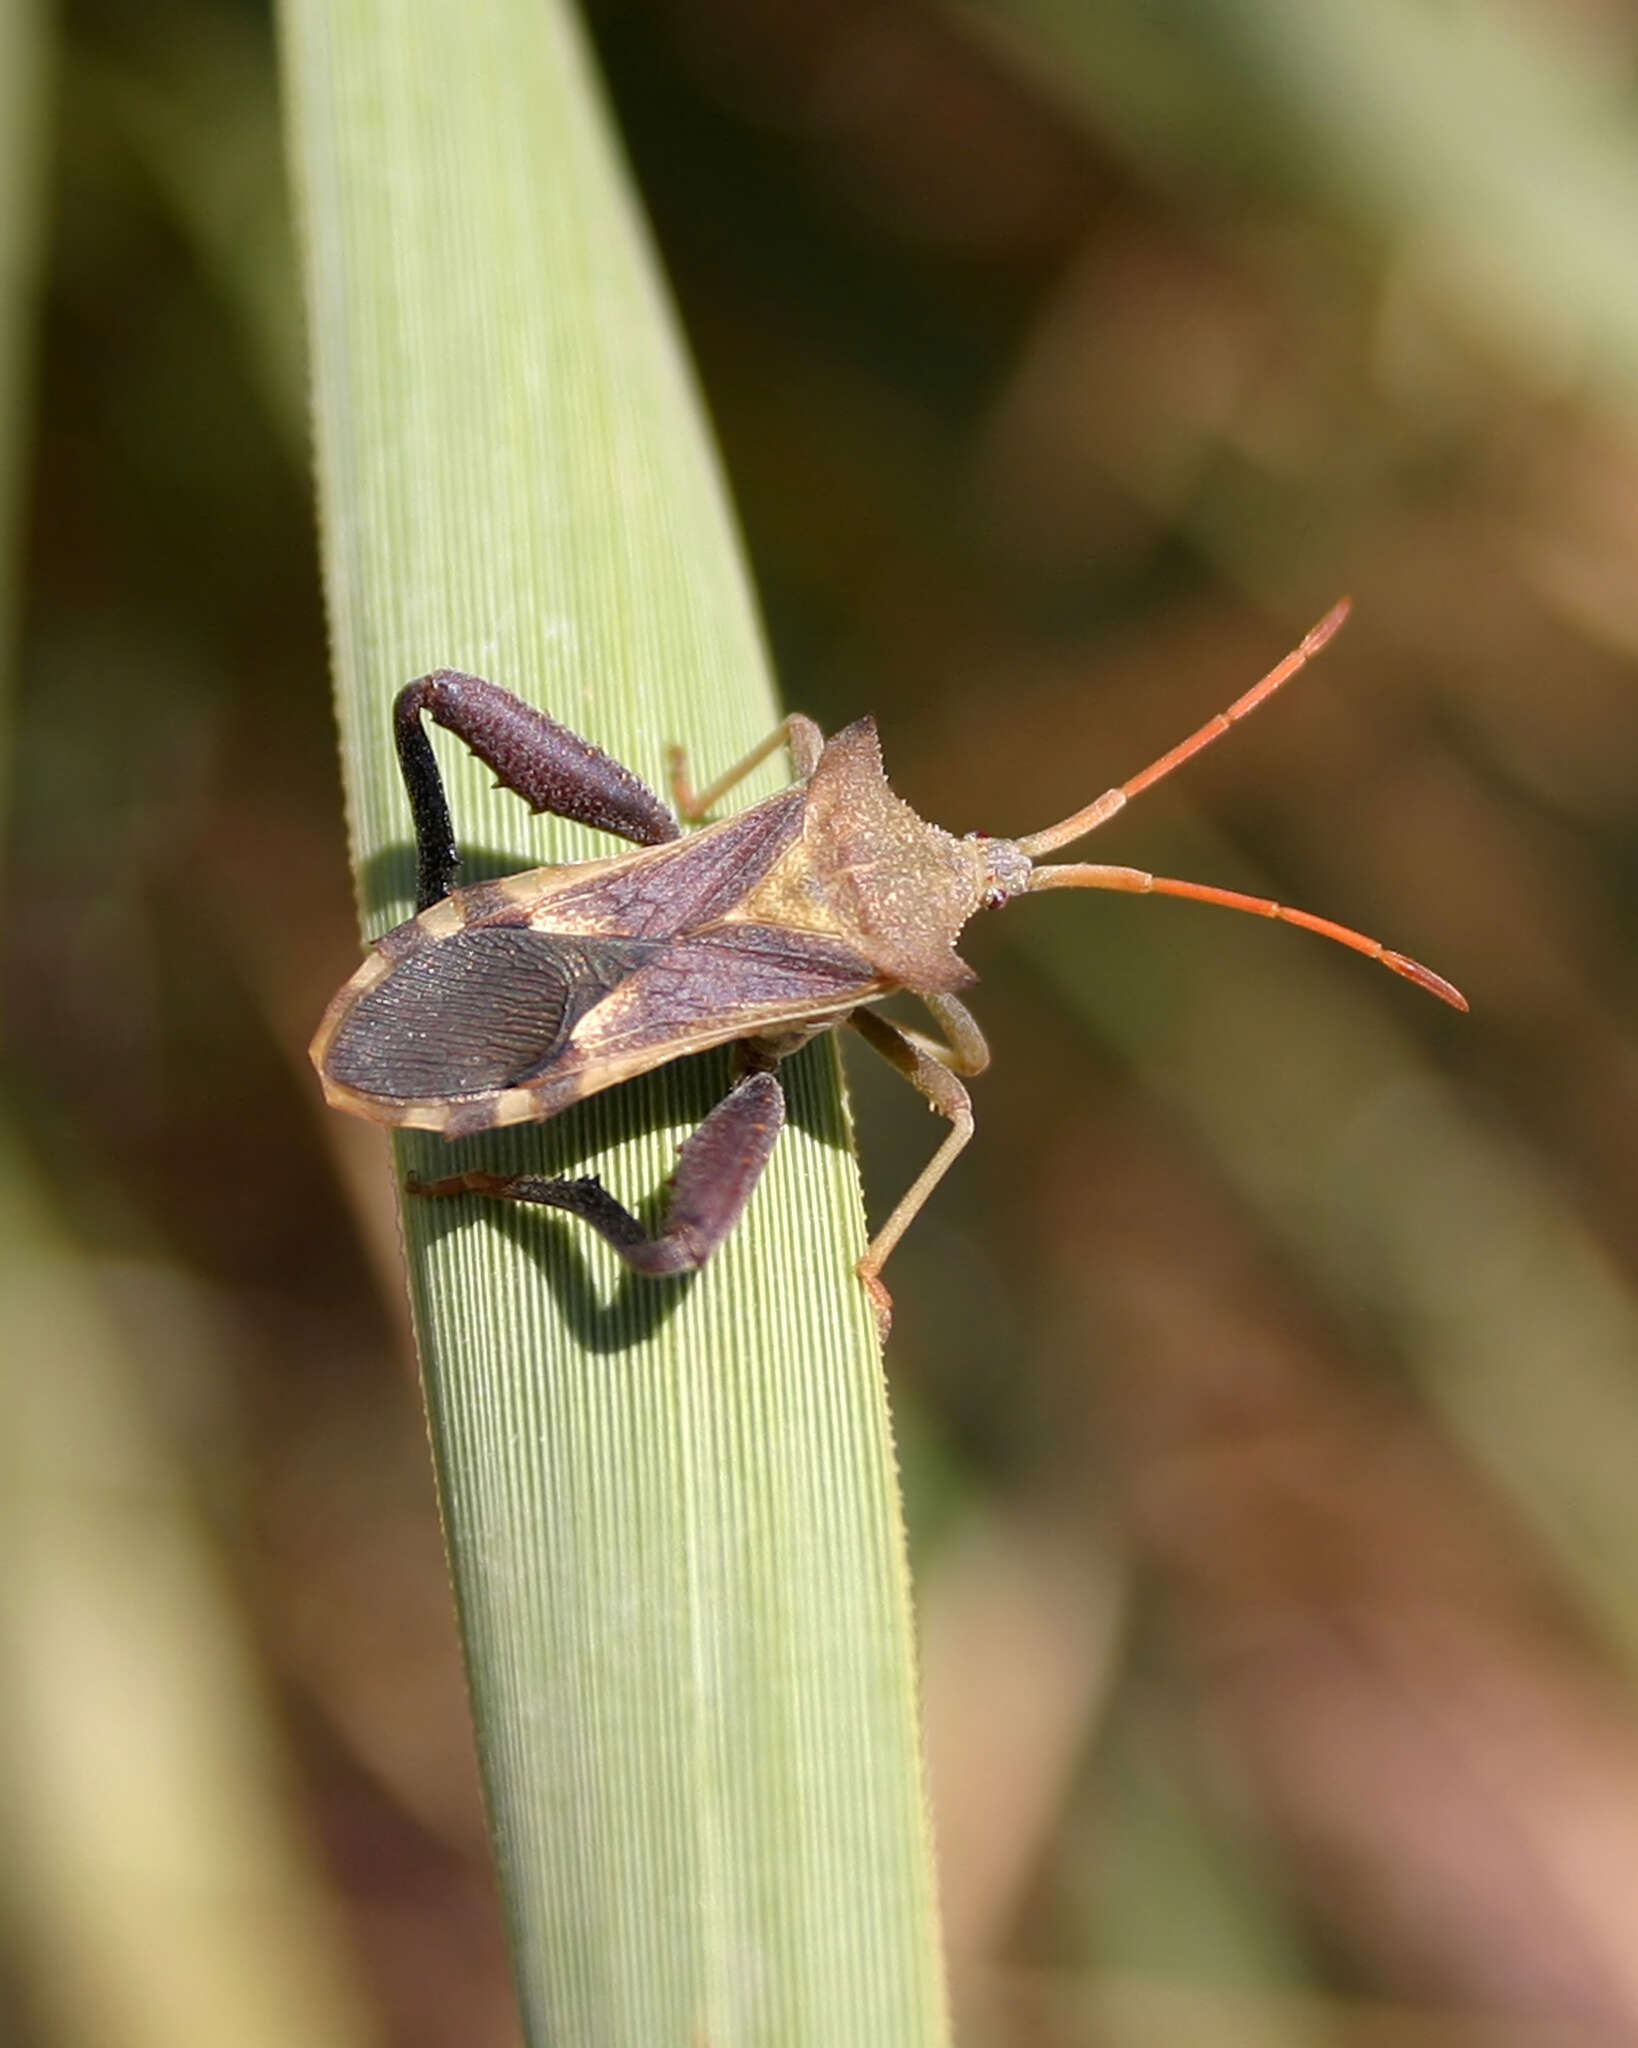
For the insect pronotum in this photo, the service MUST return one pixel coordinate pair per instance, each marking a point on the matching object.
(504, 1002)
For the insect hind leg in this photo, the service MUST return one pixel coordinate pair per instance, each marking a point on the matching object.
(717, 1171)
(551, 768)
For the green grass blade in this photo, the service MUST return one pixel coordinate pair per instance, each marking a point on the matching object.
(672, 1511)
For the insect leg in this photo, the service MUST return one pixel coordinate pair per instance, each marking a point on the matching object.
(551, 768)
(917, 1060)
(717, 1169)
(798, 733)
(966, 1053)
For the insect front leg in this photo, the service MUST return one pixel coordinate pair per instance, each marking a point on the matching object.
(551, 768)
(963, 1050)
(718, 1167)
(798, 732)
(933, 1069)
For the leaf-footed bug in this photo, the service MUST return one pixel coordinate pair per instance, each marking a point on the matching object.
(504, 1002)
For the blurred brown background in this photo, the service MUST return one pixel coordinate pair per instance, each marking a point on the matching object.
(1266, 1373)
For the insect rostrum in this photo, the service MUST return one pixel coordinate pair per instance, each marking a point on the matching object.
(504, 1002)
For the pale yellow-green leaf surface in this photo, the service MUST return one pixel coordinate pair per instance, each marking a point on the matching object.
(671, 1507)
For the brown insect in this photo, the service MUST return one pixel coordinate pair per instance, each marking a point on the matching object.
(504, 1002)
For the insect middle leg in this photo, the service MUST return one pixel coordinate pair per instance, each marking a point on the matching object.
(933, 1068)
(797, 732)
(718, 1168)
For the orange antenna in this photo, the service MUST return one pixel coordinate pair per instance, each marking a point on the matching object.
(1113, 800)
(1134, 881)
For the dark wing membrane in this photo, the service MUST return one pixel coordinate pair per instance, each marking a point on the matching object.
(485, 1009)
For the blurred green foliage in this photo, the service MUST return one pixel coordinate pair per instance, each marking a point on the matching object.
(1267, 1371)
